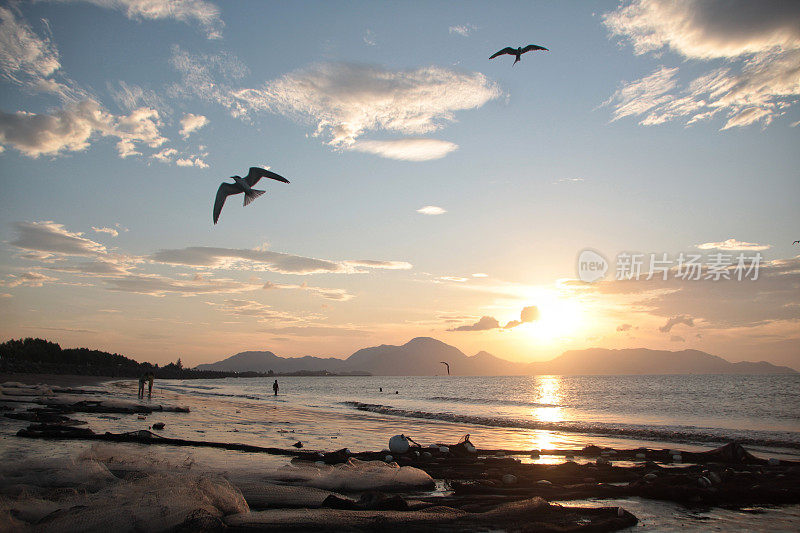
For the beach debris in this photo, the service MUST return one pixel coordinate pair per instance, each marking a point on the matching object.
(444, 449)
(509, 479)
(399, 444)
(641, 455)
(650, 477)
(620, 512)
(544, 482)
(354, 475)
(388, 458)
(773, 461)
(298, 444)
(141, 417)
(160, 425)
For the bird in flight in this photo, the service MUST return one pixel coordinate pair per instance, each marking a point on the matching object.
(447, 365)
(796, 242)
(517, 52)
(243, 185)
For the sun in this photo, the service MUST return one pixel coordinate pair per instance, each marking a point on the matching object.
(560, 318)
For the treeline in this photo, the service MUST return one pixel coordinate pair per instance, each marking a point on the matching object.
(40, 356)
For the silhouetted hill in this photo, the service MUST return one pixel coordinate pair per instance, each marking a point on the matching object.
(422, 356)
(601, 361)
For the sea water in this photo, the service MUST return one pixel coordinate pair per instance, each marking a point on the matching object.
(542, 412)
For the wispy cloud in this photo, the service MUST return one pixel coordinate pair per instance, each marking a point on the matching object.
(110, 231)
(346, 100)
(28, 279)
(758, 43)
(261, 259)
(407, 149)
(30, 60)
(204, 13)
(462, 29)
(431, 210)
(675, 320)
(52, 238)
(369, 38)
(733, 244)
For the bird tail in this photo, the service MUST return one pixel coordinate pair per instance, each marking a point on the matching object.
(255, 193)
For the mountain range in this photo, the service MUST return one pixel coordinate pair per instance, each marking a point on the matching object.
(423, 356)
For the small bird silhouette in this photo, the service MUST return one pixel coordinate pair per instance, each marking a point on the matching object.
(243, 185)
(447, 365)
(517, 52)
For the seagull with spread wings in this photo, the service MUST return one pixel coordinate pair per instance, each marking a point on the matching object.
(243, 185)
(517, 52)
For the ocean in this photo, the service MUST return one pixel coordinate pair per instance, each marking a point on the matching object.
(536, 412)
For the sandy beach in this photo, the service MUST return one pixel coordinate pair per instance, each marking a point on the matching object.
(77, 444)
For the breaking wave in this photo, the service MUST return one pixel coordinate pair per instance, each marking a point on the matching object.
(488, 401)
(687, 434)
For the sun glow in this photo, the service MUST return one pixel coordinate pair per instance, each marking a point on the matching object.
(560, 318)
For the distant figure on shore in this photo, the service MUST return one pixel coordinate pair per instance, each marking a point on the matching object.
(380, 389)
(142, 379)
(275, 387)
(150, 378)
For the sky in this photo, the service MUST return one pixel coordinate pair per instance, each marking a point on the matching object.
(434, 192)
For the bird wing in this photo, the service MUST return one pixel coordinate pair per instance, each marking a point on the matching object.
(534, 47)
(225, 190)
(506, 50)
(256, 173)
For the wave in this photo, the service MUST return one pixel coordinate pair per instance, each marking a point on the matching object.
(487, 401)
(182, 389)
(687, 434)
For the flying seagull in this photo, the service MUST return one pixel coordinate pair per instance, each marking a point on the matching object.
(447, 365)
(243, 185)
(517, 52)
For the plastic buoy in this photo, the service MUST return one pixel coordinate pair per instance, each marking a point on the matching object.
(398, 444)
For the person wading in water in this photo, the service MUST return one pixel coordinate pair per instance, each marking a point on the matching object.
(275, 387)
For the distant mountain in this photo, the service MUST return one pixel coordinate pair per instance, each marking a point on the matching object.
(266, 361)
(601, 361)
(422, 356)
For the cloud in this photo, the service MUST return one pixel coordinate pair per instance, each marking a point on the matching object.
(569, 180)
(480, 275)
(676, 338)
(463, 30)
(484, 324)
(208, 77)
(204, 13)
(320, 331)
(191, 162)
(51, 238)
(624, 327)
(455, 279)
(29, 60)
(110, 231)
(372, 263)
(266, 260)
(733, 244)
(757, 43)
(345, 100)
(407, 149)
(72, 128)
(340, 295)
(130, 96)
(528, 314)
(675, 320)
(369, 38)
(431, 210)
(154, 285)
(251, 308)
(191, 123)
(28, 279)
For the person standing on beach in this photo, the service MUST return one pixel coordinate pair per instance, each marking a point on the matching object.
(150, 378)
(142, 379)
(275, 387)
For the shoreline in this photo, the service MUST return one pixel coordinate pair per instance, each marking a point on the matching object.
(446, 489)
(58, 380)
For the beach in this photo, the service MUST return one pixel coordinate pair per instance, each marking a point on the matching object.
(261, 489)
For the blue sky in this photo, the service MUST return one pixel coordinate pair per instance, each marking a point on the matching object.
(648, 126)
